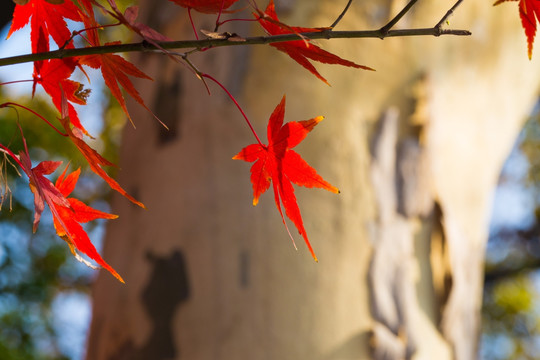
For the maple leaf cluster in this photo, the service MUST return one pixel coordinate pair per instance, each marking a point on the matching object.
(275, 163)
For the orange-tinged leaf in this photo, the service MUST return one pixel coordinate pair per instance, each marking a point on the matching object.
(279, 165)
(67, 213)
(206, 6)
(302, 51)
(529, 12)
(67, 221)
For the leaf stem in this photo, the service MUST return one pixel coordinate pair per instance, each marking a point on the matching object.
(15, 82)
(11, 104)
(231, 20)
(219, 15)
(237, 105)
(192, 23)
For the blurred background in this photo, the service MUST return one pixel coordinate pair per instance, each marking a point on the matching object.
(45, 307)
(511, 306)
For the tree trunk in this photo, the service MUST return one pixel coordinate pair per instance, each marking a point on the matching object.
(415, 148)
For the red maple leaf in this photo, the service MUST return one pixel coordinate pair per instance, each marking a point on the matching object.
(529, 12)
(67, 213)
(115, 69)
(42, 188)
(46, 19)
(206, 6)
(300, 51)
(68, 219)
(279, 165)
(54, 78)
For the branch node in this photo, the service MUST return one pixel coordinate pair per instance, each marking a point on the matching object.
(383, 32)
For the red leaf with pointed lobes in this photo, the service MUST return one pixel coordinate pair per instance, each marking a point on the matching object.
(206, 6)
(53, 77)
(529, 12)
(67, 220)
(279, 165)
(46, 19)
(67, 213)
(115, 69)
(42, 188)
(301, 51)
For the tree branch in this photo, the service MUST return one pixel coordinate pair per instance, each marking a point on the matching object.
(448, 14)
(209, 43)
(386, 28)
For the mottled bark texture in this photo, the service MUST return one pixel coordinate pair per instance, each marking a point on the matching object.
(415, 148)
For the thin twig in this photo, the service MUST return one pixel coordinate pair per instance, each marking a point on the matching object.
(206, 43)
(341, 15)
(386, 28)
(195, 71)
(448, 14)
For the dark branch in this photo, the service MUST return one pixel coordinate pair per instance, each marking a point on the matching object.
(209, 43)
